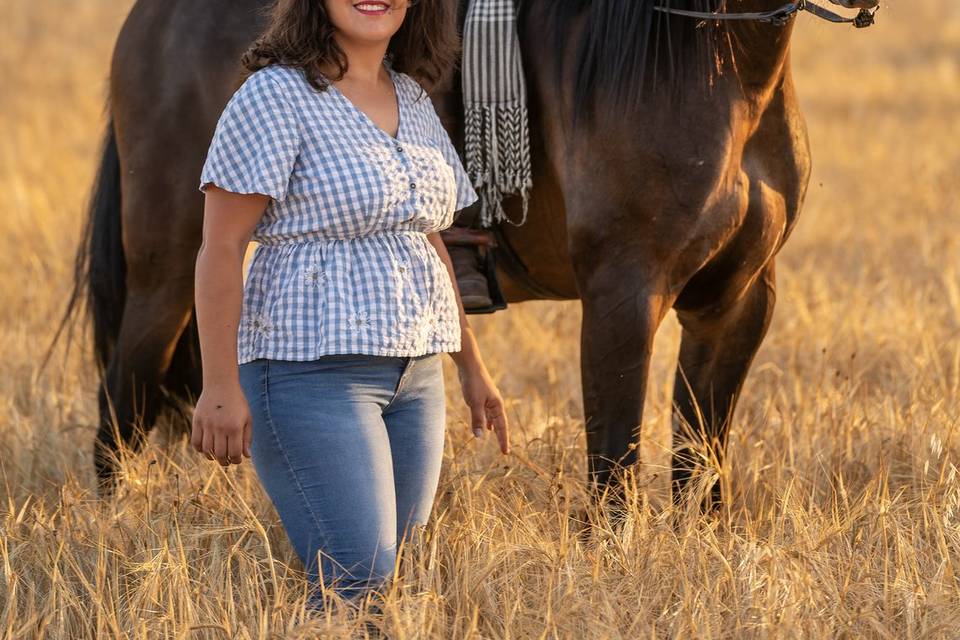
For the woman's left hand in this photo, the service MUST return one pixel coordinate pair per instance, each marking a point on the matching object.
(486, 405)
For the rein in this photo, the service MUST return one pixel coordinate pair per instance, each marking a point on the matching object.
(781, 16)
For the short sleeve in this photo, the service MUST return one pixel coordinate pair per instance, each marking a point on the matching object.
(466, 195)
(256, 141)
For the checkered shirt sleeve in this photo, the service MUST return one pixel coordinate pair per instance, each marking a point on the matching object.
(256, 141)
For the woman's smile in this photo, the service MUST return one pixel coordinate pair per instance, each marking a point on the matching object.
(372, 8)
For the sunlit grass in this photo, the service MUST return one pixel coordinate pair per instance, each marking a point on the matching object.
(845, 512)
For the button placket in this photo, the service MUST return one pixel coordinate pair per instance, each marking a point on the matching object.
(405, 159)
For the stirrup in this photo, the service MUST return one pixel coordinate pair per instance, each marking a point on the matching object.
(485, 242)
(489, 269)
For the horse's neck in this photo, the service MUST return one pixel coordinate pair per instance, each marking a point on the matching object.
(759, 49)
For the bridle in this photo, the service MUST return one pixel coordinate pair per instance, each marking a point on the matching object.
(781, 16)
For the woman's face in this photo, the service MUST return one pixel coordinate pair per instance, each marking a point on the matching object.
(366, 21)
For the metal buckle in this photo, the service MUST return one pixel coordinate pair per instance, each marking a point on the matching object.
(784, 18)
(865, 18)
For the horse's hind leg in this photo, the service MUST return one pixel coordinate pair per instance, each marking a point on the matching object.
(153, 320)
(716, 350)
(161, 233)
(184, 378)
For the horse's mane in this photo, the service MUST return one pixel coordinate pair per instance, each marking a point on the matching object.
(630, 51)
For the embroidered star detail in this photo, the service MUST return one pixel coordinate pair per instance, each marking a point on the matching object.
(262, 324)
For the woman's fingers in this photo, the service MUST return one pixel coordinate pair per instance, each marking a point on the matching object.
(219, 440)
(225, 445)
(478, 419)
(491, 415)
(498, 422)
(235, 446)
(207, 442)
(220, 443)
(196, 435)
(247, 436)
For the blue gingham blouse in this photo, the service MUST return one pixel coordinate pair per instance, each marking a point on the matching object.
(343, 264)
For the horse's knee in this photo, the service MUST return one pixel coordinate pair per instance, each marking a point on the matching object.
(152, 323)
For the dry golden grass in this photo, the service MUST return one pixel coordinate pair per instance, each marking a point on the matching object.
(845, 517)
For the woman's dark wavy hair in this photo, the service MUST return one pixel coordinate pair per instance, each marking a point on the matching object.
(300, 34)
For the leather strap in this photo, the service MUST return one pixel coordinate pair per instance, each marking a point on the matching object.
(509, 260)
(458, 235)
(780, 16)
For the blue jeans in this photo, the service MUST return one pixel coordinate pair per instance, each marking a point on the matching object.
(348, 447)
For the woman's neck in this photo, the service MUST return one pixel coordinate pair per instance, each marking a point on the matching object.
(365, 62)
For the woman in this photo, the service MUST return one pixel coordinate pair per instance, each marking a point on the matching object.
(325, 368)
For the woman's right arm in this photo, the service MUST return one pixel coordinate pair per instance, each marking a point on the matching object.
(221, 419)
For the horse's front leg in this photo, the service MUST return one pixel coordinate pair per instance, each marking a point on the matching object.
(622, 309)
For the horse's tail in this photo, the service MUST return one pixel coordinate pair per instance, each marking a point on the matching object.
(99, 272)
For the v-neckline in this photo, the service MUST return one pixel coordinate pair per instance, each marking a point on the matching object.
(369, 121)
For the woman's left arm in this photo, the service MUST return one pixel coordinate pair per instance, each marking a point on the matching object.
(479, 390)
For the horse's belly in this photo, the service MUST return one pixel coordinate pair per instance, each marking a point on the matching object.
(541, 244)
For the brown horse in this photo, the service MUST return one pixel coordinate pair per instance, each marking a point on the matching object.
(670, 162)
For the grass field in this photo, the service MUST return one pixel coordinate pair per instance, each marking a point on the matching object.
(845, 520)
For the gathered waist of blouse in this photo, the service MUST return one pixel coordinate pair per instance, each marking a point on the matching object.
(383, 250)
(386, 293)
(351, 262)
(302, 238)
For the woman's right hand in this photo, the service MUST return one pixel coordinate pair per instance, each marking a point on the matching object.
(222, 428)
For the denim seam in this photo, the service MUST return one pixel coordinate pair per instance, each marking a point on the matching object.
(406, 374)
(292, 471)
(403, 377)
